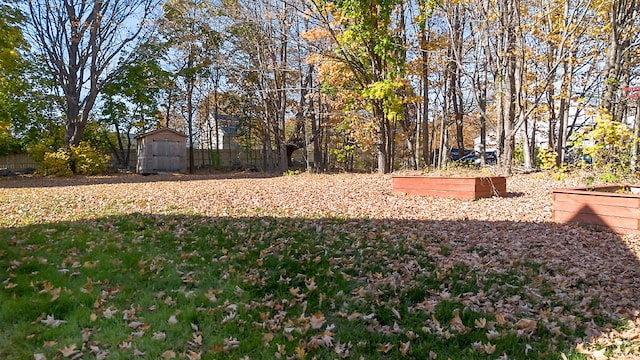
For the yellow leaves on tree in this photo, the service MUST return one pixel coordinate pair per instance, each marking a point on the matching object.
(607, 142)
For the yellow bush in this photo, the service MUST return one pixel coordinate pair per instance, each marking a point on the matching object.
(608, 143)
(56, 163)
(87, 160)
(547, 159)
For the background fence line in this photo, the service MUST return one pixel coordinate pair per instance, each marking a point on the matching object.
(203, 158)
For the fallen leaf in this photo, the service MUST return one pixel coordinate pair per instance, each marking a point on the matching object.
(456, 323)
(396, 313)
(480, 323)
(193, 355)
(404, 348)
(51, 321)
(317, 320)
(489, 348)
(300, 353)
(231, 343)
(580, 349)
(137, 352)
(69, 351)
(526, 324)
(385, 348)
(599, 354)
(311, 284)
(266, 339)
(55, 294)
(169, 354)
(135, 324)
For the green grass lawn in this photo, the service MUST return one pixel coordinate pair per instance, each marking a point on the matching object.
(177, 286)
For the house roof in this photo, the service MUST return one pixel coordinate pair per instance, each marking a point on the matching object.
(229, 123)
(161, 130)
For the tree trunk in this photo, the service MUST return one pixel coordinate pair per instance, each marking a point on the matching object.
(315, 135)
(426, 145)
(611, 71)
(635, 150)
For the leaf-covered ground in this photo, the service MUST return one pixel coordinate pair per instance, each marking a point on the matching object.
(307, 266)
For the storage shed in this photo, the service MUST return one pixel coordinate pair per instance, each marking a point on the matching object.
(162, 150)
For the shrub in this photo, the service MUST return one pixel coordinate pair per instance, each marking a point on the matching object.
(547, 159)
(82, 159)
(609, 177)
(39, 149)
(87, 160)
(608, 144)
(56, 163)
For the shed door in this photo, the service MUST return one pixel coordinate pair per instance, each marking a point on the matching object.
(168, 155)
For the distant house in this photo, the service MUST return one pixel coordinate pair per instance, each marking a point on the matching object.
(491, 143)
(162, 150)
(227, 131)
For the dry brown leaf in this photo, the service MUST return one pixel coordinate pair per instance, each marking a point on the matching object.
(317, 320)
(385, 348)
(55, 294)
(169, 354)
(266, 339)
(580, 349)
(137, 352)
(69, 351)
(599, 354)
(300, 353)
(456, 323)
(526, 324)
(502, 321)
(404, 348)
(489, 348)
(135, 324)
(193, 355)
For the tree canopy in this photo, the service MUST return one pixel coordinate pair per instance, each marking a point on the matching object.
(368, 84)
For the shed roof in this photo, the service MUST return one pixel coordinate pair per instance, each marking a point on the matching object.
(157, 131)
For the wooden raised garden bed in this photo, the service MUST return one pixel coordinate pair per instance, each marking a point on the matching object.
(616, 207)
(451, 187)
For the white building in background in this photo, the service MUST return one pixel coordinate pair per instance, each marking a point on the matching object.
(491, 142)
(220, 134)
(227, 131)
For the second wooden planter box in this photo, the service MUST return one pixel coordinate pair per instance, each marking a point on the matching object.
(615, 207)
(451, 187)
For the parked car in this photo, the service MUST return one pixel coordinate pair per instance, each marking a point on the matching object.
(469, 155)
(490, 158)
(573, 157)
